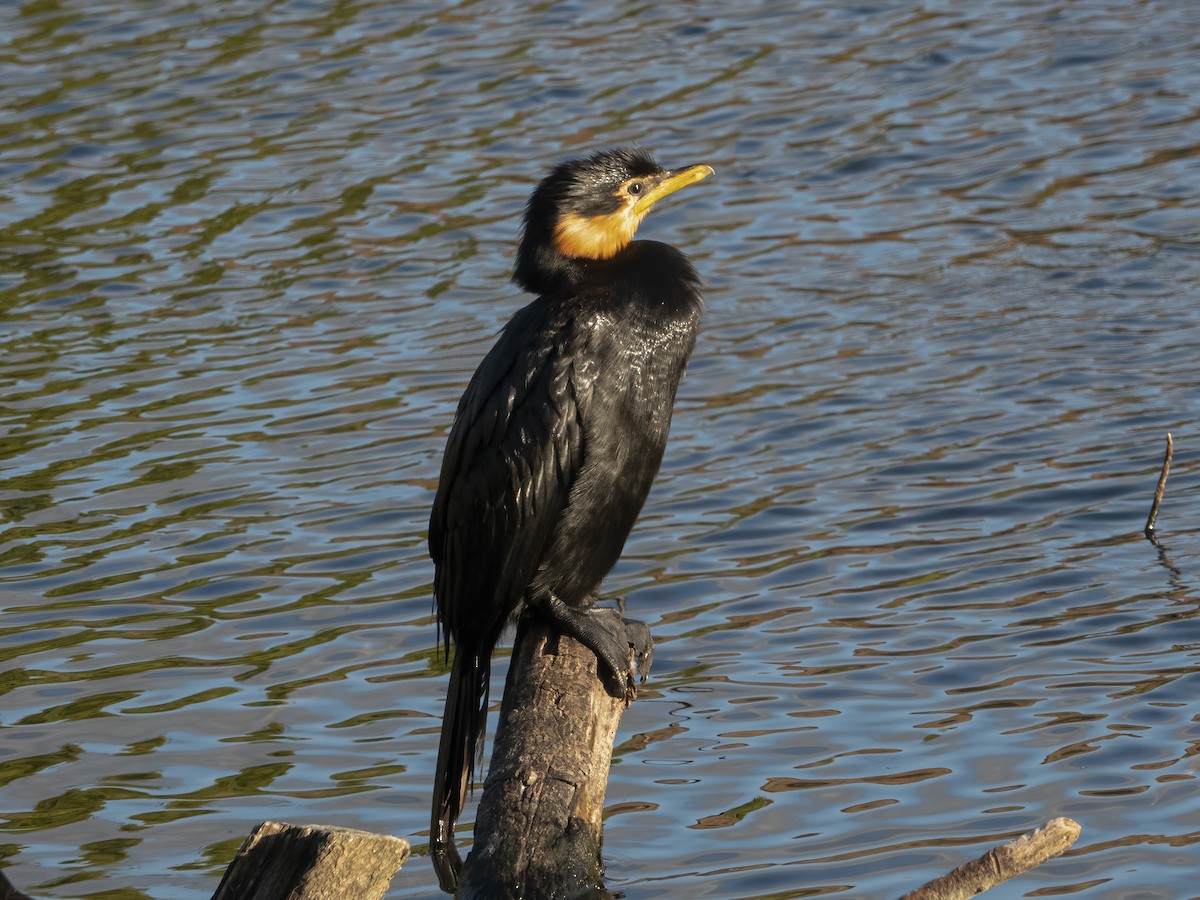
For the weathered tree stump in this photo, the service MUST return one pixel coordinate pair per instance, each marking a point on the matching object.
(312, 862)
(538, 828)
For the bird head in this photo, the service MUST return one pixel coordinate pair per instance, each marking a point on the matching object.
(590, 209)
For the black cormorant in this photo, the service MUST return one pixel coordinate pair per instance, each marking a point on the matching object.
(556, 442)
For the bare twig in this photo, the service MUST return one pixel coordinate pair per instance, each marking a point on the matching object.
(1001, 863)
(1162, 484)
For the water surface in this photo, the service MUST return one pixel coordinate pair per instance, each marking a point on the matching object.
(251, 251)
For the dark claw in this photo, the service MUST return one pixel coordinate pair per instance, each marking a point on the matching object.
(623, 686)
(624, 647)
(641, 653)
(642, 642)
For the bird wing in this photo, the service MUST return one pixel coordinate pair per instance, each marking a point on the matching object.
(514, 452)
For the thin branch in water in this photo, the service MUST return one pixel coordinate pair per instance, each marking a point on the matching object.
(1001, 863)
(1162, 484)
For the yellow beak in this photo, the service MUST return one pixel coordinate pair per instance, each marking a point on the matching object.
(669, 184)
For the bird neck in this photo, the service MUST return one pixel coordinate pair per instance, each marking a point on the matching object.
(543, 269)
(646, 275)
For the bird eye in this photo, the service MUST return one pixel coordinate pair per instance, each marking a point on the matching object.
(636, 188)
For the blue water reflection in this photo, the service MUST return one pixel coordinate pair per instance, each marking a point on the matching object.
(250, 253)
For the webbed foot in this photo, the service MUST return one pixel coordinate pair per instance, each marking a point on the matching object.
(624, 646)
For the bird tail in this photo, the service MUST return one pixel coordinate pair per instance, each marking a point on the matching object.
(462, 734)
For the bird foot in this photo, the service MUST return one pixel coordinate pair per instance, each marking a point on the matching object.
(624, 646)
(641, 646)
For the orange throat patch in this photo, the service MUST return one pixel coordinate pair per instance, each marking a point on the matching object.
(596, 237)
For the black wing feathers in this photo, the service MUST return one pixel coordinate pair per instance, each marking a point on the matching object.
(513, 454)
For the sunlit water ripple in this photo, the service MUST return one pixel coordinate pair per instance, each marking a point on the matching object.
(250, 252)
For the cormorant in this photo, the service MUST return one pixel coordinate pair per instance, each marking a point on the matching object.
(556, 442)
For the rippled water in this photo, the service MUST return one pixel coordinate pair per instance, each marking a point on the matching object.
(250, 252)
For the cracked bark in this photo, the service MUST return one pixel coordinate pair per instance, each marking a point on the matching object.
(538, 828)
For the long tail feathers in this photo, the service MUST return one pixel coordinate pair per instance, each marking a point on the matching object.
(462, 734)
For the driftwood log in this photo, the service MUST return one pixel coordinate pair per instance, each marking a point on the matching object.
(312, 862)
(538, 827)
(1001, 863)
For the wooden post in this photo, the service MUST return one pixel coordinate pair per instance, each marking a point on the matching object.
(538, 828)
(312, 862)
